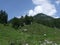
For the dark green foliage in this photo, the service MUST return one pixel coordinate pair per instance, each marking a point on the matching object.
(47, 20)
(39, 18)
(57, 23)
(12, 43)
(28, 19)
(42, 19)
(15, 22)
(21, 20)
(3, 17)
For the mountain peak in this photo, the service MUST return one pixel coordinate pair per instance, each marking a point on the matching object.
(41, 16)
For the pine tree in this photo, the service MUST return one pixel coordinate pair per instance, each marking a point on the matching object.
(3, 17)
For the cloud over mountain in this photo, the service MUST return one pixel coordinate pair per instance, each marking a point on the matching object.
(43, 6)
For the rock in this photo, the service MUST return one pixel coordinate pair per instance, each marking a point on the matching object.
(27, 44)
(25, 30)
(44, 34)
(48, 42)
(55, 44)
(44, 43)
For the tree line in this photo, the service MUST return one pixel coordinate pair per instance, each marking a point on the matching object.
(15, 22)
(27, 20)
(20, 22)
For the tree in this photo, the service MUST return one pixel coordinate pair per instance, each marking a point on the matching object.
(15, 23)
(57, 23)
(28, 19)
(21, 20)
(3, 17)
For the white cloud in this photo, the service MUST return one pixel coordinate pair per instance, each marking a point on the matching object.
(36, 10)
(56, 17)
(57, 2)
(40, 2)
(43, 6)
(30, 12)
(18, 16)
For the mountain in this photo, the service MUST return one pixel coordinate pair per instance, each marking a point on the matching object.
(42, 16)
(44, 19)
(35, 34)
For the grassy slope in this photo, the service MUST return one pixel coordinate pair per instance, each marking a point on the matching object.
(32, 36)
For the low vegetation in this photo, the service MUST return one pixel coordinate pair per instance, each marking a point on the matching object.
(34, 34)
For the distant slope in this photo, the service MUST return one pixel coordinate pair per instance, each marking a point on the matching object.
(42, 16)
(35, 34)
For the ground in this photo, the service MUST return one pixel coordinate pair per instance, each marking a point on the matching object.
(34, 34)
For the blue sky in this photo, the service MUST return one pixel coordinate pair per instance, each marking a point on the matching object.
(21, 7)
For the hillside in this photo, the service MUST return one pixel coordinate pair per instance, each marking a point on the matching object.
(35, 34)
(41, 16)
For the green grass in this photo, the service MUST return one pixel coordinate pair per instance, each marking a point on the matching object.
(32, 36)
